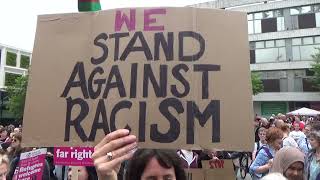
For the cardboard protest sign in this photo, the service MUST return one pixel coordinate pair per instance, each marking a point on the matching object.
(220, 168)
(173, 76)
(195, 174)
(73, 156)
(31, 164)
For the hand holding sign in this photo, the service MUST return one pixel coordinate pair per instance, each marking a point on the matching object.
(121, 145)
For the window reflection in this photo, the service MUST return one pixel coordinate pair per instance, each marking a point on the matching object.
(267, 55)
(306, 9)
(307, 51)
(268, 14)
(304, 48)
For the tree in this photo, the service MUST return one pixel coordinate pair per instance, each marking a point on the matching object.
(16, 96)
(315, 68)
(257, 86)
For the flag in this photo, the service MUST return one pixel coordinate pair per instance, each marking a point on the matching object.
(89, 5)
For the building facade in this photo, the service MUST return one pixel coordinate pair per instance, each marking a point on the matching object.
(283, 36)
(14, 62)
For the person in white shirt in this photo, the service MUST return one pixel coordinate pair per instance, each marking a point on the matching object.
(287, 140)
(257, 145)
(296, 134)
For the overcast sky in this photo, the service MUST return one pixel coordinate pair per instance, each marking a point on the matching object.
(18, 17)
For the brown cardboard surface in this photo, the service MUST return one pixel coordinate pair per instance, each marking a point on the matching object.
(67, 42)
(221, 169)
(195, 174)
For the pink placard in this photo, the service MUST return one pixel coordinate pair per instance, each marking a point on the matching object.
(73, 156)
(31, 165)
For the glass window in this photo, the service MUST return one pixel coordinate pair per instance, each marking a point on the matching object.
(307, 51)
(269, 25)
(278, 13)
(308, 40)
(271, 85)
(306, 9)
(269, 44)
(307, 21)
(268, 14)
(318, 19)
(10, 78)
(280, 24)
(259, 44)
(250, 27)
(11, 59)
(317, 40)
(294, 11)
(296, 41)
(280, 43)
(283, 85)
(282, 54)
(24, 61)
(296, 53)
(257, 26)
(266, 55)
(258, 15)
(297, 85)
(316, 8)
(250, 16)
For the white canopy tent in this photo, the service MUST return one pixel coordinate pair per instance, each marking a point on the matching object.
(304, 112)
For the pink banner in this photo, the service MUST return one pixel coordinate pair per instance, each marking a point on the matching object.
(73, 156)
(31, 165)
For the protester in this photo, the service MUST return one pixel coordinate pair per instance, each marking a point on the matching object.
(259, 144)
(143, 164)
(4, 136)
(287, 140)
(303, 143)
(189, 158)
(84, 173)
(263, 162)
(274, 176)
(312, 160)
(15, 148)
(296, 134)
(279, 123)
(4, 166)
(289, 161)
(263, 122)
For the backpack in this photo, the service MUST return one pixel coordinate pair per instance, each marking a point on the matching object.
(265, 150)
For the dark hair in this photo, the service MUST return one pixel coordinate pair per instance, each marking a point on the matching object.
(2, 129)
(315, 125)
(166, 158)
(92, 173)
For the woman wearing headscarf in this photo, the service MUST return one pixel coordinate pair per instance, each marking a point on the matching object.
(289, 161)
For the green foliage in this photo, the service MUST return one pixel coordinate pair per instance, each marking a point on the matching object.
(17, 95)
(24, 61)
(11, 59)
(257, 86)
(10, 79)
(315, 68)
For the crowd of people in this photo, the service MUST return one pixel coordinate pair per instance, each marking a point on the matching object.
(285, 147)
(289, 145)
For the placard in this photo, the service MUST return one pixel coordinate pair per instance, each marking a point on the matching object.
(176, 77)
